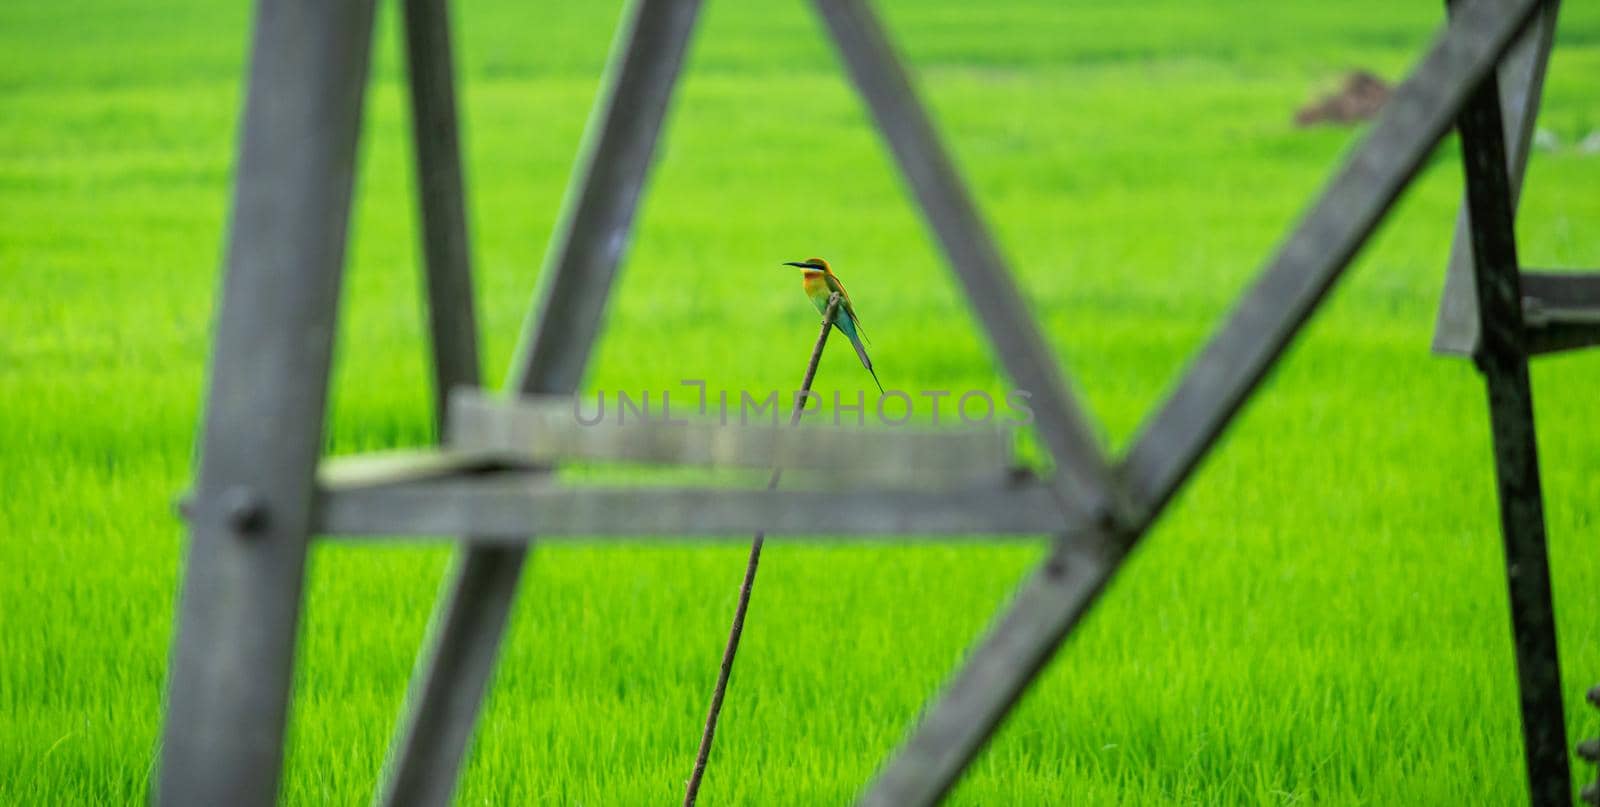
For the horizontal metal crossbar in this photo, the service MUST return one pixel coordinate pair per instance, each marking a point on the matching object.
(409, 465)
(1576, 292)
(505, 508)
(1560, 310)
(548, 430)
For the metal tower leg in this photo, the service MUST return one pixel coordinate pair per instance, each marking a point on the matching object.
(239, 611)
(1502, 357)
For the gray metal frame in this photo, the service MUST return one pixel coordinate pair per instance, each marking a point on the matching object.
(259, 496)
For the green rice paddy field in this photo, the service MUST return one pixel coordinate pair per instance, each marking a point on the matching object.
(1320, 618)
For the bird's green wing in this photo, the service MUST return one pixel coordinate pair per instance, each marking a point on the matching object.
(844, 300)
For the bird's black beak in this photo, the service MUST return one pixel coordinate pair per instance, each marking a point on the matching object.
(798, 263)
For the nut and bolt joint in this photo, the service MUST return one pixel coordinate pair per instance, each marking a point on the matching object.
(243, 511)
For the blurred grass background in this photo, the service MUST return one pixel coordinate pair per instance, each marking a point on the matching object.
(1320, 618)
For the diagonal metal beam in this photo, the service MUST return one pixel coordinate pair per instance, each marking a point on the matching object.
(1321, 246)
(238, 613)
(1503, 359)
(448, 289)
(886, 88)
(1521, 80)
(618, 149)
(995, 675)
(447, 254)
(1024, 639)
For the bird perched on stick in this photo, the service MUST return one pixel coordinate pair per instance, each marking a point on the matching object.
(820, 283)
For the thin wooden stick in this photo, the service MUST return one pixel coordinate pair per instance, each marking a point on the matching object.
(693, 790)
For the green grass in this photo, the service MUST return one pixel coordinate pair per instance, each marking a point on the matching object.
(1321, 617)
